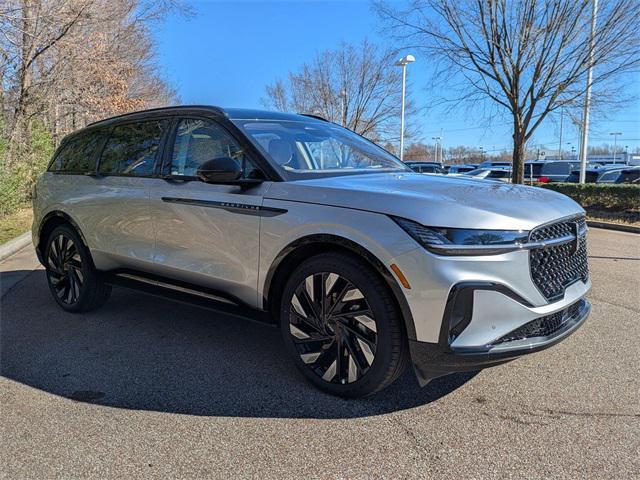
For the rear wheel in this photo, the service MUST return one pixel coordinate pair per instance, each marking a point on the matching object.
(72, 278)
(342, 327)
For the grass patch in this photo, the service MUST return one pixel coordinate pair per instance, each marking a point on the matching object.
(15, 223)
(621, 218)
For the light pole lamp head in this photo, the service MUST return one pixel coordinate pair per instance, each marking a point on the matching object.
(406, 60)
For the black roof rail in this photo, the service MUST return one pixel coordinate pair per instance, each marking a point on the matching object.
(218, 110)
(311, 115)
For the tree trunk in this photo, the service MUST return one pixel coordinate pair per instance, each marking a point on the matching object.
(517, 173)
(21, 134)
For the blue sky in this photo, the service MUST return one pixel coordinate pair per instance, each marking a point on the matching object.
(228, 51)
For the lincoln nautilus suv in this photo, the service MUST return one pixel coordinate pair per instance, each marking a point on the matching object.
(366, 266)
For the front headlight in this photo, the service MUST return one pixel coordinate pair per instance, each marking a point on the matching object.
(456, 241)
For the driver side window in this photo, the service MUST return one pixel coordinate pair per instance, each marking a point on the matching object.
(198, 141)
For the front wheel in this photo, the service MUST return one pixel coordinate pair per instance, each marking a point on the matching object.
(73, 280)
(340, 323)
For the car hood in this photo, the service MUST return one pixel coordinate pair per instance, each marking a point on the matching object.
(434, 200)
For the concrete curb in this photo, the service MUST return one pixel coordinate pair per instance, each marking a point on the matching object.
(12, 246)
(613, 226)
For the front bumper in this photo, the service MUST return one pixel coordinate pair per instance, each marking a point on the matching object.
(432, 360)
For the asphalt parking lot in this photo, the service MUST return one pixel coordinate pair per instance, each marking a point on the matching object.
(150, 388)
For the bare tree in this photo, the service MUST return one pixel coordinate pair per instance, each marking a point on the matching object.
(31, 28)
(355, 86)
(528, 56)
(63, 64)
(67, 62)
(419, 151)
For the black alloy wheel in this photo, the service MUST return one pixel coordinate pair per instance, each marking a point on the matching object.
(73, 280)
(340, 322)
(64, 268)
(333, 328)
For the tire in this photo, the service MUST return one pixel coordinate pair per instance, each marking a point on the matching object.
(353, 346)
(71, 275)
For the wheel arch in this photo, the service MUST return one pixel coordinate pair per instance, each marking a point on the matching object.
(304, 247)
(48, 223)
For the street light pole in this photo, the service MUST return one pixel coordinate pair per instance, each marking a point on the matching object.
(403, 62)
(437, 145)
(615, 144)
(584, 138)
(560, 143)
(343, 105)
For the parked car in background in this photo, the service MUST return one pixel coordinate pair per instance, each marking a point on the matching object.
(624, 175)
(366, 266)
(545, 172)
(591, 175)
(497, 174)
(494, 164)
(452, 169)
(426, 167)
(606, 174)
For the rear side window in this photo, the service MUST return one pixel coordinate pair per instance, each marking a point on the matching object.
(556, 168)
(609, 177)
(631, 176)
(132, 148)
(78, 154)
(499, 174)
(533, 169)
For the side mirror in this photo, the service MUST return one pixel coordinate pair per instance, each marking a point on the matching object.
(219, 170)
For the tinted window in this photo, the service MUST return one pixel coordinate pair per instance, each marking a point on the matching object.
(609, 177)
(532, 169)
(629, 176)
(77, 155)
(198, 141)
(499, 174)
(132, 148)
(556, 168)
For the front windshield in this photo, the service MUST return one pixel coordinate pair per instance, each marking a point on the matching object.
(301, 149)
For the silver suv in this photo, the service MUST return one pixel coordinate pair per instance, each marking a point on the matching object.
(365, 265)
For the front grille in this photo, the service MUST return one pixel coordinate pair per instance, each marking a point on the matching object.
(544, 326)
(556, 267)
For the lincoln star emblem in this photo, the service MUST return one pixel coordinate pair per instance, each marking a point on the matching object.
(576, 231)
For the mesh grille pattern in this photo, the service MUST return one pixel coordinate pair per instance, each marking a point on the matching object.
(555, 268)
(543, 326)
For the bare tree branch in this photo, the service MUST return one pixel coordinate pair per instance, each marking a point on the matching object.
(531, 57)
(356, 86)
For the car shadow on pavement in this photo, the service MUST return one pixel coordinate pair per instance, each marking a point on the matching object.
(145, 353)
